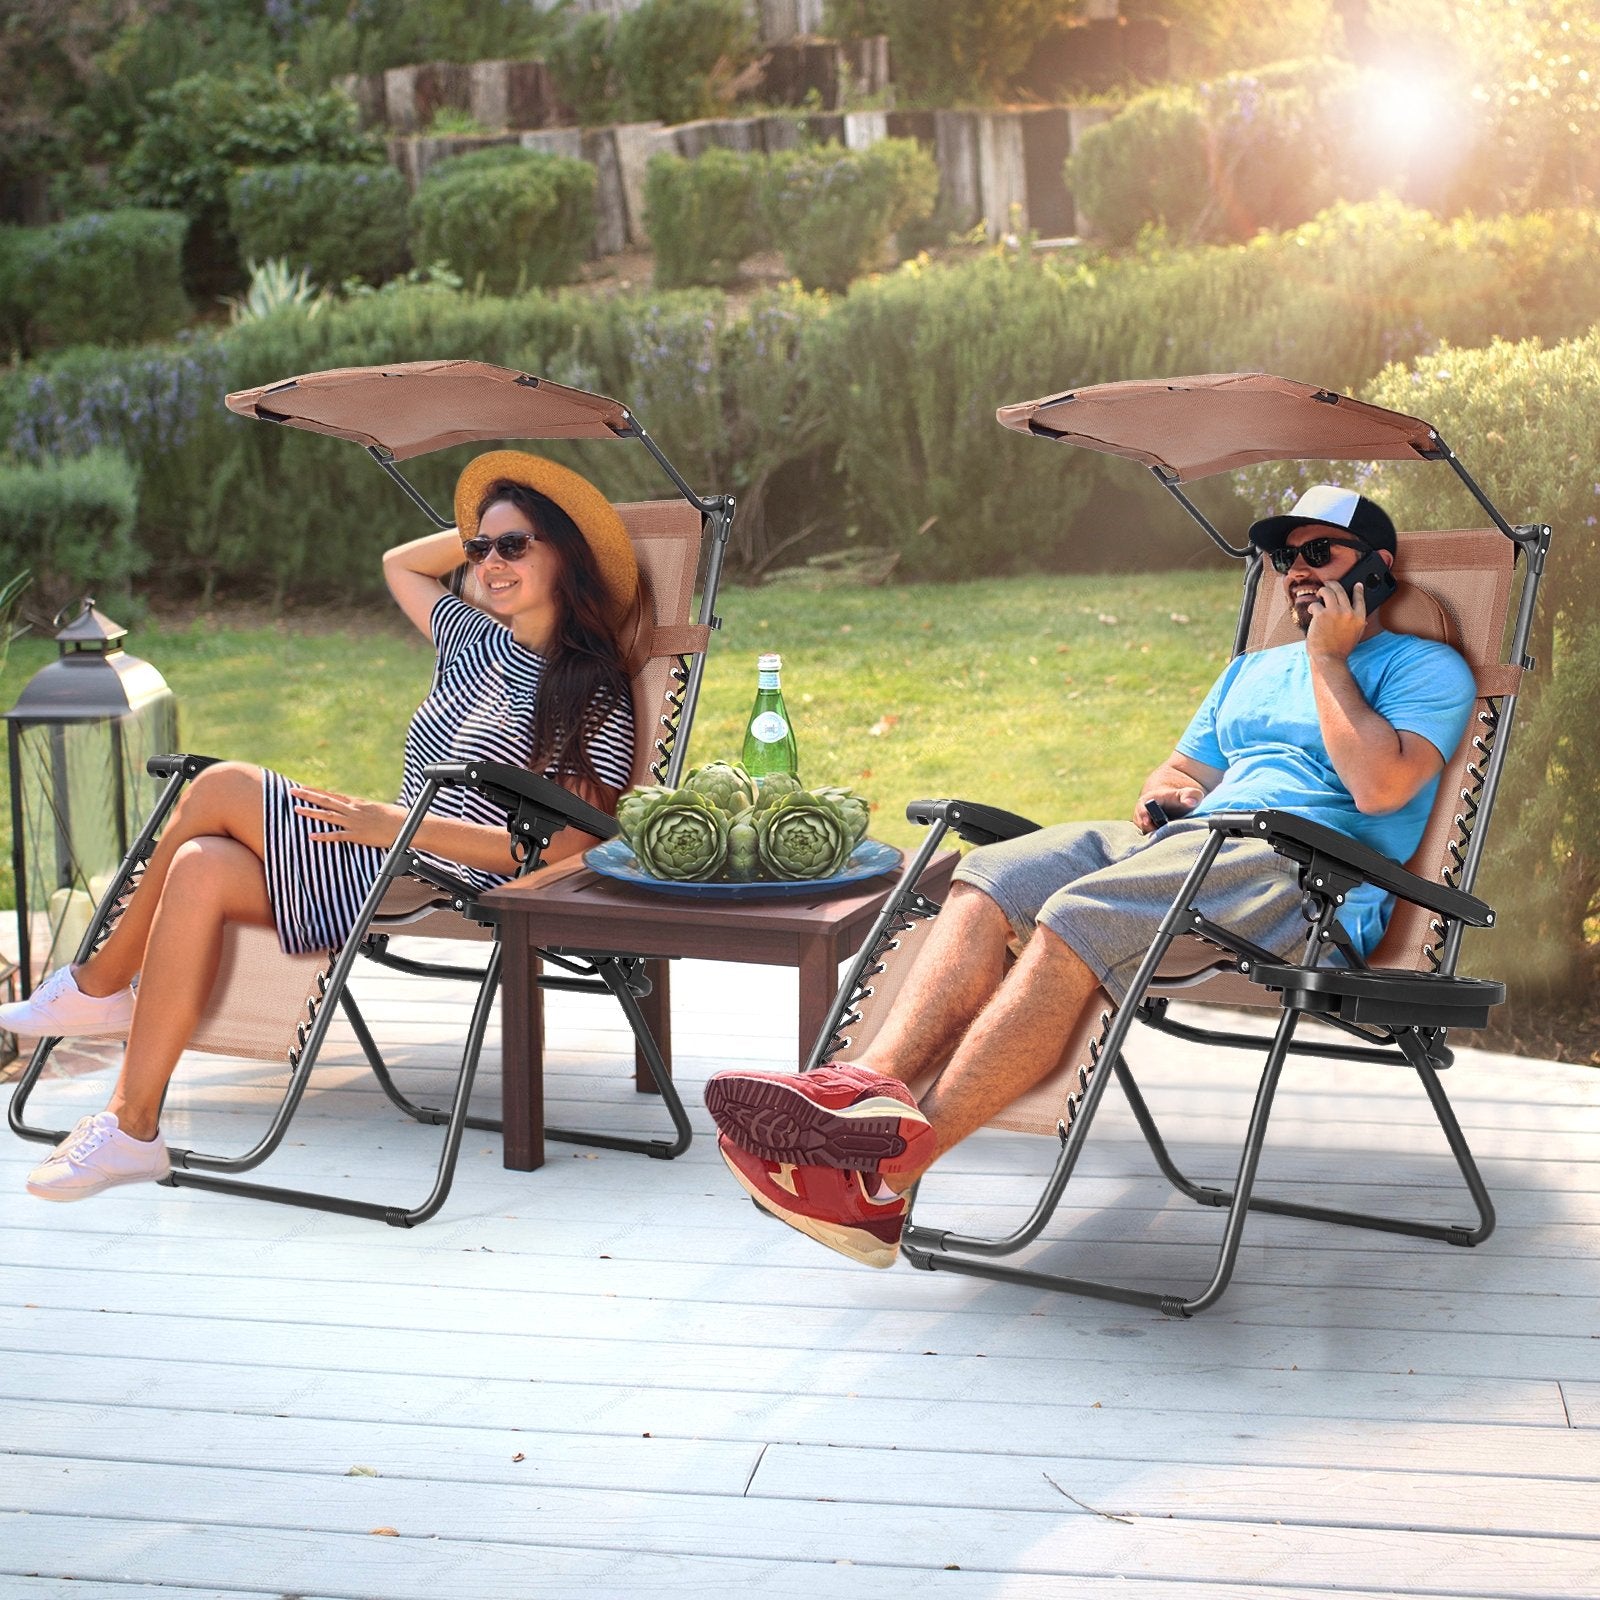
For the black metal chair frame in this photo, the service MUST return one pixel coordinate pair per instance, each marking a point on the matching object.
(537, 809)
(1397, 1017)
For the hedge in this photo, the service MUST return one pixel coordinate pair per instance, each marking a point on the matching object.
(104, 277)
(865, 417)
(506, 219)
(71, 524)
(336, 220)
(911, 365)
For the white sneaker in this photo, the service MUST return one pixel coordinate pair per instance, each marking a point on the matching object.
(96, 1155)
(59, 1009)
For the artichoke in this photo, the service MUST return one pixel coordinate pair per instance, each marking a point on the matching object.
(800, 836)
(744, 860)
(631, 808)
(854, 808)
(683, 836)
(725, 784)
(773, 786)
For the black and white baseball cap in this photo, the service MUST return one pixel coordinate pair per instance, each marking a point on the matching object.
(1327, 503)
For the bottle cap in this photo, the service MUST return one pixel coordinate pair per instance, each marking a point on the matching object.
(769, 663)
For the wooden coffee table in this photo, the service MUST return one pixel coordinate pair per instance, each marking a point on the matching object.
(568, 906)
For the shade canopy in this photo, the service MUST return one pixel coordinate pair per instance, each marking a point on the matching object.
(416, 407)
(1189, 428)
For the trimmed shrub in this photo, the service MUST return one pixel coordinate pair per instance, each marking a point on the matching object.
(833, 211)
(106, 277)
(1225, 159)
(505, 152)
(704, 215)
(506, 224)
(1283, 143)
(204, 129)
(338, 221)
(677, 59)
(1144, 168)
(71, 523)
(579, 59)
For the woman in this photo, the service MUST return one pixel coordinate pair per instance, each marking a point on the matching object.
(533, 675)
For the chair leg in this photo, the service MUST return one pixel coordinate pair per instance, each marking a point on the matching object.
(178, 770)
(1448, 1233)
(929, 1249)
(612, 970)
(607, 975)
(932, 1250)
(455, 1124)
(16, 1110)
(380, 1070)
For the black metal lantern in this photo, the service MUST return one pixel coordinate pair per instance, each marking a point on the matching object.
(78, 739)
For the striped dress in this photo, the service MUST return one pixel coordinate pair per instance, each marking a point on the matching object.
(480, 707)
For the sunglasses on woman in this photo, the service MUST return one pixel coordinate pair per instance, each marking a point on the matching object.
(1316, 552)
(509, 547)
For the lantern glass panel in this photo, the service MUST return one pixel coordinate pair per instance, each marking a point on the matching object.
(85, 794)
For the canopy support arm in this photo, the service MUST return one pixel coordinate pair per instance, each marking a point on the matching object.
(1517, 536)
(386, 461)
(1169, 482)
(631, 426)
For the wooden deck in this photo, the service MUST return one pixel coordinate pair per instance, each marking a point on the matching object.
(613, 1378)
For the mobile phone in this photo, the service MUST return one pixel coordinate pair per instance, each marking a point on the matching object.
(1373, 573)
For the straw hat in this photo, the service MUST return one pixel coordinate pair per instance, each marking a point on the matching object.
(595, 516)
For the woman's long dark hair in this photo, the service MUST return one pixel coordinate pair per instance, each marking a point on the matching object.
(585, 677)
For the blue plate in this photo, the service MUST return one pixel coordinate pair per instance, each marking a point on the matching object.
(614, 859)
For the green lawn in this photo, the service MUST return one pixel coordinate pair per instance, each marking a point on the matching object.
(1049, 696)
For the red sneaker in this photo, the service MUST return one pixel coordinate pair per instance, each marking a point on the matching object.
(853, 1214)
(844, 1116)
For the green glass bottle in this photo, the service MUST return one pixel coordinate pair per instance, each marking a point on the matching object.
(769, 736)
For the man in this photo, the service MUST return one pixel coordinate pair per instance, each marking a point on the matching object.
(1349, 727)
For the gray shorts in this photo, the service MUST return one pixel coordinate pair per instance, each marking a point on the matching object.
(1103, 887)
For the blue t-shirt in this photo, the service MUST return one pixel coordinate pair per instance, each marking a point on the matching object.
(1259, 724)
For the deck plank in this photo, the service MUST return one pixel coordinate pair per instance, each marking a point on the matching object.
(700, 1397)
(410, 1568)
(1068, 1541)
(1520, 1478)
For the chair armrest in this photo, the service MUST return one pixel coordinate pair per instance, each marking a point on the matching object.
(171, 765)
(518, 790)
(970, 821)
(1299, 839)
